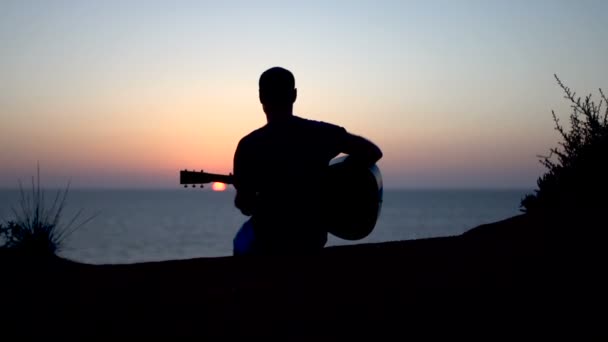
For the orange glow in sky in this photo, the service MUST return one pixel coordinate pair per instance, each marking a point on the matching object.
(218, 186)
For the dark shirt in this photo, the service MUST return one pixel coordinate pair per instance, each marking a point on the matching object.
(280, 172)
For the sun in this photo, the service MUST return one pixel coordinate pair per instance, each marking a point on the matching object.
(218, 186)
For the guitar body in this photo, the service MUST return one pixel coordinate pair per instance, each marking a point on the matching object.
(354, 199)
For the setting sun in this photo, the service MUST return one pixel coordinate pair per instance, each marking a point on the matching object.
(218, 186)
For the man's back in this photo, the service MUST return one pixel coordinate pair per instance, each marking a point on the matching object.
(284, 164)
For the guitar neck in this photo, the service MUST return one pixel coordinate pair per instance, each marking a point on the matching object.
(196, 177)
(227, 179)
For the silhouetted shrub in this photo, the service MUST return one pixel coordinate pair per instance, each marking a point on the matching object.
(576, 182)
(36, 230)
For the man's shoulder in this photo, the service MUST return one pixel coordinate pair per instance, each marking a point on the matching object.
(322, 128)
(319, 124)
(253, 136)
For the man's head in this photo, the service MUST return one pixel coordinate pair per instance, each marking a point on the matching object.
(277, 91)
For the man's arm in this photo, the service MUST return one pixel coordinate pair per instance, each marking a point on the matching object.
(360, 150)
(245, 201)
(245, 193)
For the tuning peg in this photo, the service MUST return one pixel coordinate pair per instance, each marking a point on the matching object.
(185, 186)
(201, 186)
(193, 185)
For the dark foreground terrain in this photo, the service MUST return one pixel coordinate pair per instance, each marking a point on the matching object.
(510, 278)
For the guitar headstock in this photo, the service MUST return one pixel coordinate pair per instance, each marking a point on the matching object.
(195, 178)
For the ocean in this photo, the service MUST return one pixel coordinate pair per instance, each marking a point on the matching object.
(153, 225)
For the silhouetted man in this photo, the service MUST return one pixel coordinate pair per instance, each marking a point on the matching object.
(279, 172)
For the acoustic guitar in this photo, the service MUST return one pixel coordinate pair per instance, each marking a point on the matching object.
(353, 200)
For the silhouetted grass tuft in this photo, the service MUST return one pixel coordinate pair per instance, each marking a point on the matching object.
(37, 230)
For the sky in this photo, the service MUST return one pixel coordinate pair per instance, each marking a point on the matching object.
(124, 94)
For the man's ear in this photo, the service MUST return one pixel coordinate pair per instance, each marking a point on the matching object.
(295, 94)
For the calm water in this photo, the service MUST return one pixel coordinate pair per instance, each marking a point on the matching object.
(150, 225)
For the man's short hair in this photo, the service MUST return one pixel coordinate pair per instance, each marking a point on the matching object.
(277, 86)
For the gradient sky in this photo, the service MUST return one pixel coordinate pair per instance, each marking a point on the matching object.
(458, 94)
